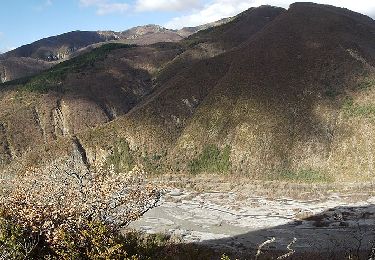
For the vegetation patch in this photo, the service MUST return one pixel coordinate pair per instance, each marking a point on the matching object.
(355, 110)
(303, 176)
(95, 241)
(153, 163)
(89, 240)
(79, 215)
(212, 160)
(331, 93)
(366, 84)
(121, 158)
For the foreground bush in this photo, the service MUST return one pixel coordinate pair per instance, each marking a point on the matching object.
(71, 214)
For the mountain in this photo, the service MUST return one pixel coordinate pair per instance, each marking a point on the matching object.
(272, 94)
(43, 54)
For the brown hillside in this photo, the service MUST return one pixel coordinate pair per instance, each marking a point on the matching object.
(279, 102)
(291, 97)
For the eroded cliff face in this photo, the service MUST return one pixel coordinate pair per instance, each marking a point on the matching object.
(14, 68)
(3, 74)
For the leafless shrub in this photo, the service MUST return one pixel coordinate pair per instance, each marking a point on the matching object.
(63, 199)
(290, 250)
(272, 240)
(260, 247)
(4, 253)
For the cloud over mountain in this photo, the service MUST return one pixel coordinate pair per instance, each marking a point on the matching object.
(106, 7)
(216, 9)
(166, 5)
(210, 12)
(196, 12)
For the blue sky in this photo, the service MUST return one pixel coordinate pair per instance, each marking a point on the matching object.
(25, 21)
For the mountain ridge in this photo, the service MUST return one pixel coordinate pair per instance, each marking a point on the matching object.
(280, 101)
(48, 51)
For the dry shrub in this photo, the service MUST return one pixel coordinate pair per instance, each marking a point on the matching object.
(77, 214)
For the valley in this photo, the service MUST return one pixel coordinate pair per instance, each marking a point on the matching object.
(252, 137)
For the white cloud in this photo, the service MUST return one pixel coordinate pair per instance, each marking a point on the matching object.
(166, 5)
(216, 9)
(44, 5)
(362, 6)
(6, 49)
(212, 11)
(89, 2)
(112, 8)
(105, 7)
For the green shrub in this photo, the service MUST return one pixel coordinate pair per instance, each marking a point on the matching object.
(331, 93)
(94, 240)
(149, 246)
(18, 242)
(212, 159)
(153, 163)
(354, 110)
(121, 157)
(366, 84)
(303, 175)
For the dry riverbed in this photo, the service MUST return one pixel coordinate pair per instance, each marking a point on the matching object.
(233, 216)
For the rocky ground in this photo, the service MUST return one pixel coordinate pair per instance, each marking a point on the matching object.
(239, 219)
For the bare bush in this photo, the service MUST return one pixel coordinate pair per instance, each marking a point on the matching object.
(55, 202)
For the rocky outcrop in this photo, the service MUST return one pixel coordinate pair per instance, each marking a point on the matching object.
(79, 150)
(5, 149)
(60, 120)
(39, 120)
(3, 74)
(18, 67)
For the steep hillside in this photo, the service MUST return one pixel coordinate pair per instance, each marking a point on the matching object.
(216, 40)
(281, 108)
(240, 29)
(272, 94)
